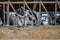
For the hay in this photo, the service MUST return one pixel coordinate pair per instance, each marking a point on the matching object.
(46, 32)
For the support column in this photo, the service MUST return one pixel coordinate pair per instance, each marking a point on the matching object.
(4, 13)
(55, 11)
(7, 14)
(24, 12)
(39, 20)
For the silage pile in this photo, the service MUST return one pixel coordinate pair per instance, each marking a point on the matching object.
(46, 32)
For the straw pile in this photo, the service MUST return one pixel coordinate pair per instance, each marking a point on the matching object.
(44, 32)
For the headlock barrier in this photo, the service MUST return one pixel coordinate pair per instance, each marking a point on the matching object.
(24, 13)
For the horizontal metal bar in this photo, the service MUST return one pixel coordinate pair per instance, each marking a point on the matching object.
(29, 2)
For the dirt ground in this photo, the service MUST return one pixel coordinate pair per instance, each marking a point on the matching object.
(42, 32)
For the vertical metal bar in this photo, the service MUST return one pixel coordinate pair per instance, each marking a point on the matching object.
(24, 13)
(55, 11)
(39, 20)
(4, 13)
(7, 14)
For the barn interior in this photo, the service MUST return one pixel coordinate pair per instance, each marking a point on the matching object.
(43, 15)
(48, 7)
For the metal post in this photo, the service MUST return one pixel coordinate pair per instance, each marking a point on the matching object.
(39, 20)
(55, 11)
(24, 12)
(7, 14)
(4, 13)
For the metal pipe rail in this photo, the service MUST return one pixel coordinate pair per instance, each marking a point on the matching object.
(28, 2)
